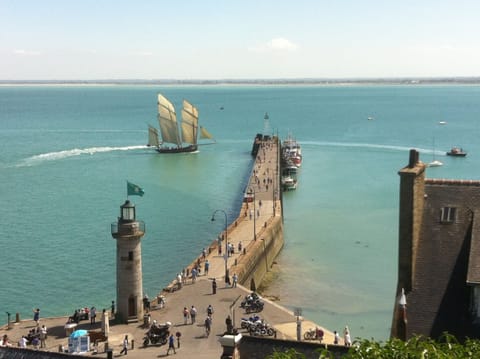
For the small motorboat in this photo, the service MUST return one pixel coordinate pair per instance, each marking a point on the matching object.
(457, 152)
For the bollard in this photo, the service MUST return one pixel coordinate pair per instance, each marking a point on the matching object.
(105, 348)
(60, 348)
(244, 250)
(133, 344)
(235, 261)
(17, 317)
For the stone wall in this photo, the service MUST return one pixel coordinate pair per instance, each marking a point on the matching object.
(260, 254)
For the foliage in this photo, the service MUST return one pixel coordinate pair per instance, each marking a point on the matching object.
(289, 354)
(447, 347)
(417, 347)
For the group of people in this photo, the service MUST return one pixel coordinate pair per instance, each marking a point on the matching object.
(192, 315)
(347, 339)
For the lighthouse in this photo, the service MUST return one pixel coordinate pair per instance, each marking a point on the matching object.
(128, 232)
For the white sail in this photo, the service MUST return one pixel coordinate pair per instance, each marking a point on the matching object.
(167, 119)
(204, 133)
(189, 123)
(153, 136)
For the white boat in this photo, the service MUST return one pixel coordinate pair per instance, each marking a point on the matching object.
(435, 162)
(184, 139)
(289, 183)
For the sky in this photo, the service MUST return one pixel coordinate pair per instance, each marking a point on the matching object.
(230, 39)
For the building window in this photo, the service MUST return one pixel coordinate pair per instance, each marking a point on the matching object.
(130, 256)
(448, 215)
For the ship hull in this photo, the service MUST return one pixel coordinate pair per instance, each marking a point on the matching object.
(191, 148)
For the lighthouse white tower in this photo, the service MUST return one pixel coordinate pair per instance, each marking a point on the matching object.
(128, 233)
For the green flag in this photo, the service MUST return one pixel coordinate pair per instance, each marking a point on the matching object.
(134, 190)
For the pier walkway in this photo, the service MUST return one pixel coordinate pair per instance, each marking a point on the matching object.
(247, 228)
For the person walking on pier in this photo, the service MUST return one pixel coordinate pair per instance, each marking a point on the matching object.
(171, 344)
(214, 286)
(208, 325)
(36, 315)
(125, 345)
(235, 280)
(207, 266)
(193, 314)
(185, 315)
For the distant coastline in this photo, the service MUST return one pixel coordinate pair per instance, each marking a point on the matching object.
(250, 82)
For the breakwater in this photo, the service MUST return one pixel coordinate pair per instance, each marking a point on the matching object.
(256, 235)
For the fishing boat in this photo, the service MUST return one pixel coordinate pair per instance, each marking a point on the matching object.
(175, 138)
(457, 152)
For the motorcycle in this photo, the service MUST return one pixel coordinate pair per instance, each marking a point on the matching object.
(249, 299)
(247, 323)
(313, 334)
(256, 306)
(157, 334)
(261, 329)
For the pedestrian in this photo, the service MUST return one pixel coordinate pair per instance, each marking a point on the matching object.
(125, 345)
(336, 337)
(35, 342)
(207, 266)
(193, 314)
(204, 253)
(178, 335)
(22, 343)
(146, 303)
(214, 286)
(210, 311)
(43, 336)
(235, 279)
(240, 247)
(171, 344)
(113, 307)
(229, 324)
(208, 325)
(179, 281)
(93, 315)
(346, 337)
(36, 315)
(185, 315)
(194, 275)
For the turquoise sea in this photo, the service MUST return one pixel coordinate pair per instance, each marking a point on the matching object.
(67, 151)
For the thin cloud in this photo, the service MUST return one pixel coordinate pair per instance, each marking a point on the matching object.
(143, 53)
(276, 44)
(22, 52)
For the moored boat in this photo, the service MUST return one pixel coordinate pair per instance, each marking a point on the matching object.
(289, 183)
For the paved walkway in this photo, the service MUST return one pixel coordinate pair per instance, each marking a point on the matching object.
(193, 342)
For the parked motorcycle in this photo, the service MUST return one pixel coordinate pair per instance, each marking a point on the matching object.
(247, 323)
(256, 306)
(157, 334)
(249, 299)
(313, 334)
(262, 329)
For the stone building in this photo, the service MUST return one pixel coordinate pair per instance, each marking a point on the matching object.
(439, 256)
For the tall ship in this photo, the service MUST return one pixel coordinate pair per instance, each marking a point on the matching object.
(176, 138)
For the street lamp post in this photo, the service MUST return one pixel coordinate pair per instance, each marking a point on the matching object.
(254, 215)
(226, 241)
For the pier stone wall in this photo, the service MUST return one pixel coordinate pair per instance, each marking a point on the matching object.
(260, 254)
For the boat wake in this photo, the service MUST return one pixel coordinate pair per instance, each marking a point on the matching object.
(372, 145)
(54, 156)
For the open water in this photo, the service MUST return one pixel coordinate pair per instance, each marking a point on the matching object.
(67, 151)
